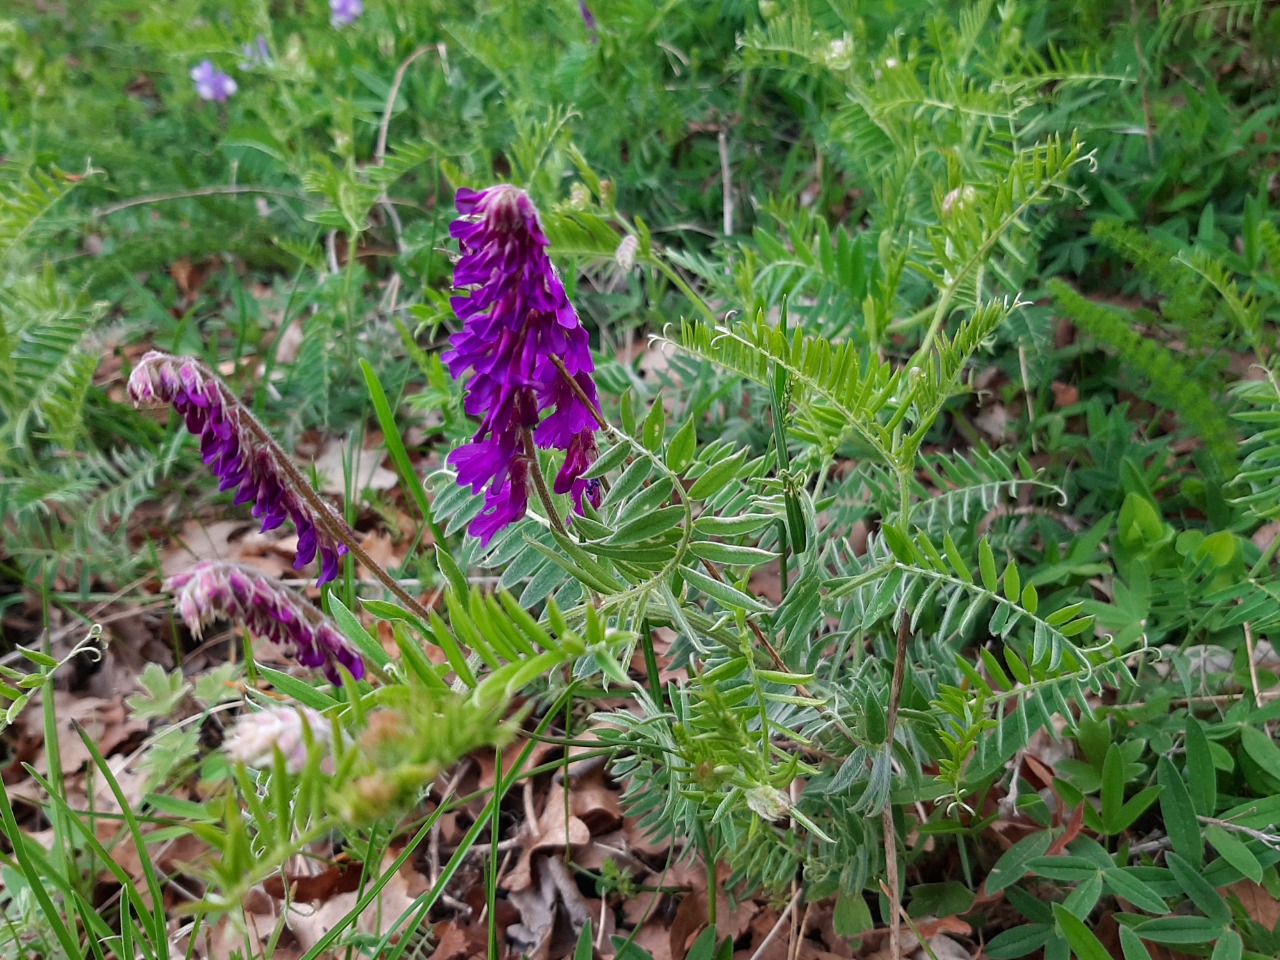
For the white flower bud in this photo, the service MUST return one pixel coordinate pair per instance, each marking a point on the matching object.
(959, 198)
(839, 54)
(625, 255)
(767, 801)
(257, 736)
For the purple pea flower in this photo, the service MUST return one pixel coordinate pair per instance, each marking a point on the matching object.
(517, 322)
(255, 54)
(343, 13)
(213, 590)
(240, 452)
(212, 83)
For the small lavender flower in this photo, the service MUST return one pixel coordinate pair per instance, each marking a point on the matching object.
(343, 13)
(213, 590)
(257, 736)
(241, 454)
(255, 54)
(515, 318)
(212, 83)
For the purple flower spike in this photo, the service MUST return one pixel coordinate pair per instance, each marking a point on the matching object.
(213, 590)
(240, 452)
(515, 318)
(212, 83)
(588, 20)
(343, 13)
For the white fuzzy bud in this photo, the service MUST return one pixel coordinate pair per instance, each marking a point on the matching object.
(258, 735)
(625, 255)
(769, 802)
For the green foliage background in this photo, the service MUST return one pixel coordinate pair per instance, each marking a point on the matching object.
(848, 224)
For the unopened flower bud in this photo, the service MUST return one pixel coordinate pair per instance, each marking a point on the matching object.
(958, 199)
(625, 255)
(769, 802)
(839, 54)
(579, 196)
(257, 737)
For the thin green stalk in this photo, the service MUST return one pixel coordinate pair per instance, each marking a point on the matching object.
(491, 880)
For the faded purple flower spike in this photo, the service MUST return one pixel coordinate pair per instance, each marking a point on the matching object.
(343, 13)
(255, 54)
(589, 20)
(212, 83)
(213, 589)
(516, 318)
(242, 454)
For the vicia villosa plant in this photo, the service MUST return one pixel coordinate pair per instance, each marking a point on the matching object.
(838, 427)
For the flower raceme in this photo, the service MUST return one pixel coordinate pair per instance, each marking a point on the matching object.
(518, 331)
(213, 590)
(241, 454)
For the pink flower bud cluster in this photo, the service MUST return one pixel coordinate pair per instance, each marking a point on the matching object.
(516, 322)
(257, 736)
(240, 455)
(213, 590)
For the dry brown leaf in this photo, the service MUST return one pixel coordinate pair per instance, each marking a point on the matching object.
(310, 923)
(1064, 394)
(366, 469)
(1257, 902)
(536, 904)
(595, 802)
(555, 827)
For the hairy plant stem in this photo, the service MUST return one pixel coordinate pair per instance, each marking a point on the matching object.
(333, 524)
(540, 484)
(890, 831)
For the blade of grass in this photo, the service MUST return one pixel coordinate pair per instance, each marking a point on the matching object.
(144, 856)
(396, 448)
(23, 853)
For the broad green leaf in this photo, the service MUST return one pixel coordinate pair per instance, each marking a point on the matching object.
(1014, 862)
(1179, 930)
(681, 448)
(851, 915)
(987, 566)
(1202, 778)
(1132, 946)
(1228, 947)
(1198, 889)
(948, 899)
(1234, 851)
(730, 554)
(717, 477)
(654, 427)
(731, 526)
(727, 596)
(1179, 814)
(1124, 884)
(1019, 941)
(1083, 943)
(649, 525)
(296, 689)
